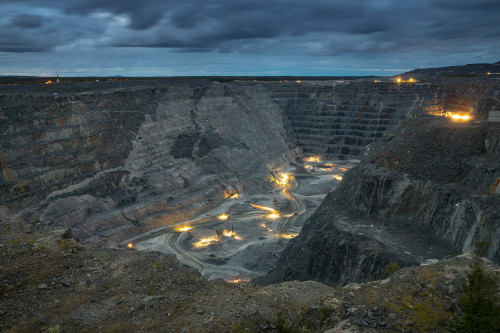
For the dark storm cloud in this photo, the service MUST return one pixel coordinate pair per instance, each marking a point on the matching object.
(198, 24)
(25, 28)
(27, 21)
(21, 44)
(310, 27)
(143, 14)
(467, 5)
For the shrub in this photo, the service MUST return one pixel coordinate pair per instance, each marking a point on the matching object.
(54, 329)
(391, 268)
(480, 302)
(482, 245)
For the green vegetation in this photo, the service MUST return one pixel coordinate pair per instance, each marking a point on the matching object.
(421, 309)
(282, 325)
(481, 245)
(54, 329)
(391, 268)
(480, 302)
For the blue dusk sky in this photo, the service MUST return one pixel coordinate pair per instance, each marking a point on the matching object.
(252, 37)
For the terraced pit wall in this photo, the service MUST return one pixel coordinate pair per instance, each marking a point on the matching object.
(111, 164)
(474, 97)
(112, 161)
(338, 119)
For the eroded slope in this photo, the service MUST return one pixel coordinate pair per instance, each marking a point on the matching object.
(427, 189)
(112, 164)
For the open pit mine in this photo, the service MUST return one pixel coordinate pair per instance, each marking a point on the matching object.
(261, 181)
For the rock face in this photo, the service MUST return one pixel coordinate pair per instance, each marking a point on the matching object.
(446, 178)
(112, 161)
(112, 164)
(338, 119)
(424, 189)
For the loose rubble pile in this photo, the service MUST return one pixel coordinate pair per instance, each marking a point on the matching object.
(415, 152)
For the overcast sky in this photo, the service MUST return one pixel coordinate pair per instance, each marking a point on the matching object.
(250, 37)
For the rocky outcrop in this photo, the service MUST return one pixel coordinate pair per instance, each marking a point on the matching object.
(423, 191)
(111, 164)
(445, 174)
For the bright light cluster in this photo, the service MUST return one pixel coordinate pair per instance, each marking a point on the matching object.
(230, 233)
(231, 195)
(410, 80)
(204, 242)
(313, 159)
(269, 209)
(284, 179)
(288, 236)
(223, 217)
(456, 116)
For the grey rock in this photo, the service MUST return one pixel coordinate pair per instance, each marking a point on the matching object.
(386, 191)
(352, 310)
(364, 323)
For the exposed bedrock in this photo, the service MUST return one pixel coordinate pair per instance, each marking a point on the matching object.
(443, 176)
(337, 119)
(117, 163)
(112, 162)
(425, 190)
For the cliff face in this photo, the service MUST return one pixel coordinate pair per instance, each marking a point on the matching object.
(112, 161)
(338, 119)
(446, 181)
(426, 189)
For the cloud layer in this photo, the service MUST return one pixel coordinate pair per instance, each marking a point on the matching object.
(365, 29)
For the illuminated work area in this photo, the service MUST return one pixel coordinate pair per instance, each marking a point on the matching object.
(243, 237)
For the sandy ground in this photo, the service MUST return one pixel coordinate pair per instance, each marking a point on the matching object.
(250, 240)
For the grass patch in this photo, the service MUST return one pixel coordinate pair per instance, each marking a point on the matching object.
(425, 312)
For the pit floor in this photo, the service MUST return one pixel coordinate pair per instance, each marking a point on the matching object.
(250, 240)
